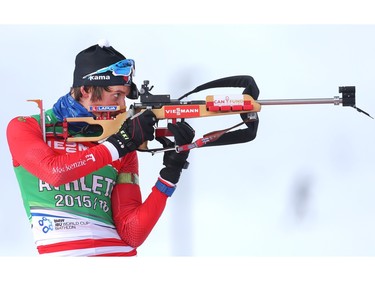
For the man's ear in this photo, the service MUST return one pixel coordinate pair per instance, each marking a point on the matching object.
(85, 94)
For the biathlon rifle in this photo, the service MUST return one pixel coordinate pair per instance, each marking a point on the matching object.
(246, 105)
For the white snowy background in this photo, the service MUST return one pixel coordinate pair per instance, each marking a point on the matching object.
(304, 187)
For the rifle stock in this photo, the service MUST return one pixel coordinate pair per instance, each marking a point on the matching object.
(110, 127)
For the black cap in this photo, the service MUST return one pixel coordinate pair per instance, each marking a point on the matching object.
(95, 58)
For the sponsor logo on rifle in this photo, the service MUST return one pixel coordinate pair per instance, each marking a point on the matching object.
(181, 111)
(230, 101)
(103, 108)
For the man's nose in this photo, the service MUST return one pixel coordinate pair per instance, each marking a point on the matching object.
(122, 102)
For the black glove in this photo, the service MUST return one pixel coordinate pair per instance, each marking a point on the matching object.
(174, 162)
(134, 132)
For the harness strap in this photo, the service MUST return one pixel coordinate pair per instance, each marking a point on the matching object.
(240, 135)
(204, 141)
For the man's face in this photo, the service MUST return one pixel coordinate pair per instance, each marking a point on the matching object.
(114, 96)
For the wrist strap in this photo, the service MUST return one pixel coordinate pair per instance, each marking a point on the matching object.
(162, 187)
(122, 143)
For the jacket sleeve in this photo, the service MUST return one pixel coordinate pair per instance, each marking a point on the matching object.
(133, 218)
(29, 150)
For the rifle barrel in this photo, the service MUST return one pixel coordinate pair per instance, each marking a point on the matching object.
(336, 101)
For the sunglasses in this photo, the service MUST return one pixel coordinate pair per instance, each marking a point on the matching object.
(124, 67)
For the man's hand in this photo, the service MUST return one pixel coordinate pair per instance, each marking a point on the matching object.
(134, 132)
(174, 162)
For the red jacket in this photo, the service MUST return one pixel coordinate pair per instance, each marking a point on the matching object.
(80, 201)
